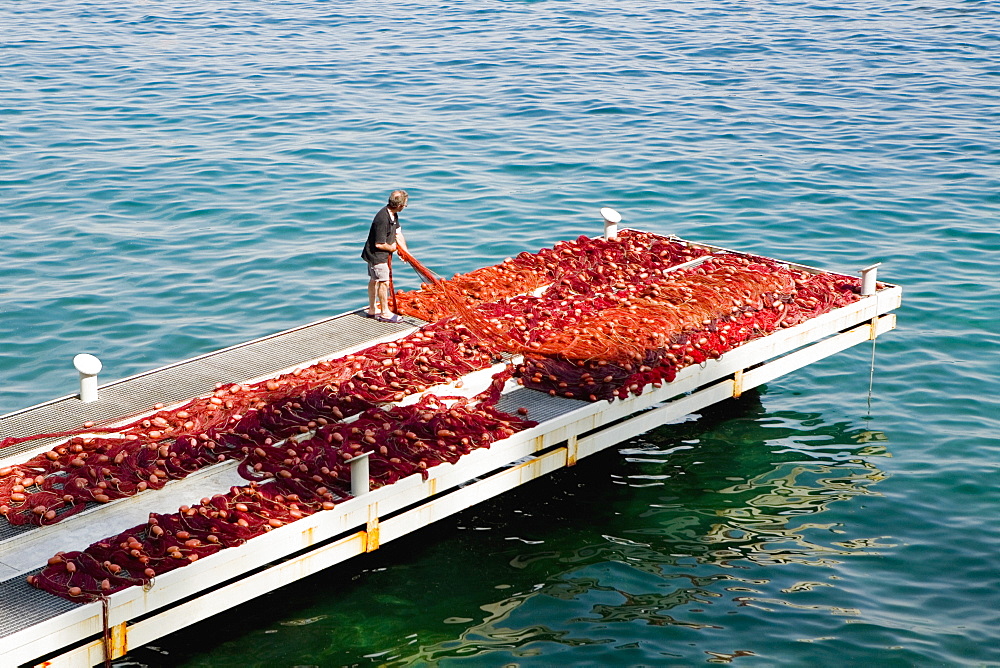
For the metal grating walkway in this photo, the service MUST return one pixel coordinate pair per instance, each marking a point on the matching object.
(541, 407)
(198, 376)
(22, 606)
(8, 530)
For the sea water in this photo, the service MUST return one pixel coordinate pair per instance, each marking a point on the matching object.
(177, 177)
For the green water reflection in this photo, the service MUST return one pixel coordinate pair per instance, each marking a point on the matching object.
(708, 528)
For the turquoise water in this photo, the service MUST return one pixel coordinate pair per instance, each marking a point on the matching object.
(178, 177)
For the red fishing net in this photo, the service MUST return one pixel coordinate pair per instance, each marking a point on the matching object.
(590, 319)
(616, 316)
(292, 479)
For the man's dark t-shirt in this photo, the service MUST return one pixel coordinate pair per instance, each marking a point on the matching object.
(383, 231)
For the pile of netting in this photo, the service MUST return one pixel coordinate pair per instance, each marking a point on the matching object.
(173, 443)
(571, 263)
(647, 333)
(292, 480)
(618, 316)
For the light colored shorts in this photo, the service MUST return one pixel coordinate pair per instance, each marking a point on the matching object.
(379, 272)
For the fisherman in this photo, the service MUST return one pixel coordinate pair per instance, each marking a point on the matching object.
(384, 238)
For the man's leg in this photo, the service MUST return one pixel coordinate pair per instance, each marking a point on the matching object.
(372, 308)
(383, 297)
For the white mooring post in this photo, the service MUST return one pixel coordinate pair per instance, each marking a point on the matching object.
(868, 276)
(88, 366)
(611, 220)
(360, 480)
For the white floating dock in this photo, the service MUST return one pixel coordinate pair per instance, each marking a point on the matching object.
(37, 627)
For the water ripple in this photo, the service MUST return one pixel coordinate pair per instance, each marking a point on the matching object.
(179, 177)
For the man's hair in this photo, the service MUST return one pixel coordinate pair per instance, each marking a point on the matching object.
(397, 198)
